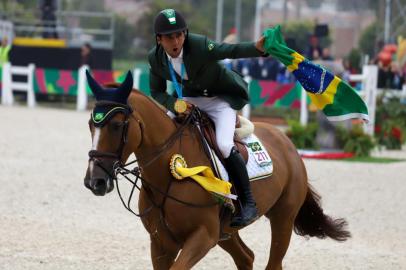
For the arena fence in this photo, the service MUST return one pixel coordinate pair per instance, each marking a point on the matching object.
(262, 93)
(48, 81)
(369, 80)
(9, 85)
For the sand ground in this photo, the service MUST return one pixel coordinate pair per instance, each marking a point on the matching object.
(48, 220)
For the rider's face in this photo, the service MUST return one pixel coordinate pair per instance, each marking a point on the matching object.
(172, 43)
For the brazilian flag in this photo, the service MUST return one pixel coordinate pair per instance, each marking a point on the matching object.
(334, 97)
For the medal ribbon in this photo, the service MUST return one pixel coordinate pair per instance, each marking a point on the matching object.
(175, 82)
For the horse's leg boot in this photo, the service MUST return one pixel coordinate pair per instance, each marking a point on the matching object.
(238, 173)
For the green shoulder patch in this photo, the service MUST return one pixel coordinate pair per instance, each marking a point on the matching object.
(210, 46)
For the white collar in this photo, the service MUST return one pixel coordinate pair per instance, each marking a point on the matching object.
(180, 56)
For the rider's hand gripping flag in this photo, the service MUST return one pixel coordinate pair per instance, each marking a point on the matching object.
(334, 97)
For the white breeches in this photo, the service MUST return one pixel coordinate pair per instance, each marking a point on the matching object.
(223, 117)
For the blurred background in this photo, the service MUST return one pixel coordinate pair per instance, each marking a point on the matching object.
(125, 26)
(48, 220)
(58, 37)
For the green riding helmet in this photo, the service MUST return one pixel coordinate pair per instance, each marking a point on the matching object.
(169, 21)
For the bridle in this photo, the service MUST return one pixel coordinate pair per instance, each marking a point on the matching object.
(94, 155)
(121, 169)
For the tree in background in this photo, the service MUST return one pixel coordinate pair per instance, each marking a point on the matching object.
(368, 42)
(145, 26)
(20, 11)
(351, 5)
(200, 16)
(124, 39)
(208, 10)
(397, 25)
(314, 3)
(300, 31)
(80, 5)
(354, 59)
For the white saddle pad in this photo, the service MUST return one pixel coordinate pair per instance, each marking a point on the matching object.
(259, 161)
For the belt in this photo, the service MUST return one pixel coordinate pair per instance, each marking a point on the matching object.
(194, 93)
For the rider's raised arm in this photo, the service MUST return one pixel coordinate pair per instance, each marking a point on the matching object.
(220, 51)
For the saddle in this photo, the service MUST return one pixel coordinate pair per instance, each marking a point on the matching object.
(208, 130)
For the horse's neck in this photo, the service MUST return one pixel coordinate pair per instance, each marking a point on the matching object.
(157, 126)
(157, 146)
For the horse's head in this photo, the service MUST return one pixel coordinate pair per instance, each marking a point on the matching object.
(109, 126)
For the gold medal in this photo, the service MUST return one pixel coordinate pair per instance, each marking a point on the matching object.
(180, 106)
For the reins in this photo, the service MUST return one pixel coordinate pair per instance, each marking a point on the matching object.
(120, 169)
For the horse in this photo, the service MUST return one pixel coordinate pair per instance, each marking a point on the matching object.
(183, 220)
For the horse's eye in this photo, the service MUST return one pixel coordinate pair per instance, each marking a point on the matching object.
(115, 126)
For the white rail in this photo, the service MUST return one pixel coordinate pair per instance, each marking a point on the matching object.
(9, 85)
(369, 80)
(81, 98)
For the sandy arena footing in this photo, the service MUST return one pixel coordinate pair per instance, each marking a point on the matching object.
(49, 220)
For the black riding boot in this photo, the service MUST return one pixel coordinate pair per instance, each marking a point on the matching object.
(237, 171)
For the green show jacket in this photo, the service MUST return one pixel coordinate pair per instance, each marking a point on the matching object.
(206, 76)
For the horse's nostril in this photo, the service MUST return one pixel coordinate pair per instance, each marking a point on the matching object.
(87, 185)
(100, 184)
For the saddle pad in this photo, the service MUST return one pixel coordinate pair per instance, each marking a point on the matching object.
(259, 163)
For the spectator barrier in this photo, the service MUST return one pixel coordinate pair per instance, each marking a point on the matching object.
(403, 97)
(273, 94)
(48, 81)
(81, 100)
(60, 82)
(369, 80)
(9, 85)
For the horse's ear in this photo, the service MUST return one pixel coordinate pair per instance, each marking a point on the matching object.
(126, 87)
(94, 86)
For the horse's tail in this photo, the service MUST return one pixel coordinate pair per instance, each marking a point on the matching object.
(311, 221)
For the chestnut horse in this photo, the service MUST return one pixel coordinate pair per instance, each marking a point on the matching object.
(183, 219)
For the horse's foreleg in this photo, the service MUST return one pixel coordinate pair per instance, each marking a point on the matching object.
(195, 248)
(162, 258)
(242, 255)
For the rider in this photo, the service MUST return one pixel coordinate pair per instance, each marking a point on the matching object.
(191, 62)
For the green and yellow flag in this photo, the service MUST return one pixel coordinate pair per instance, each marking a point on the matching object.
(334, 97)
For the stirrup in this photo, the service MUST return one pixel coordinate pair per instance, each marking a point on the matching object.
(238, 221)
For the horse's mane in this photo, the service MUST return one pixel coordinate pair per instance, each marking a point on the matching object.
(137, 93)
